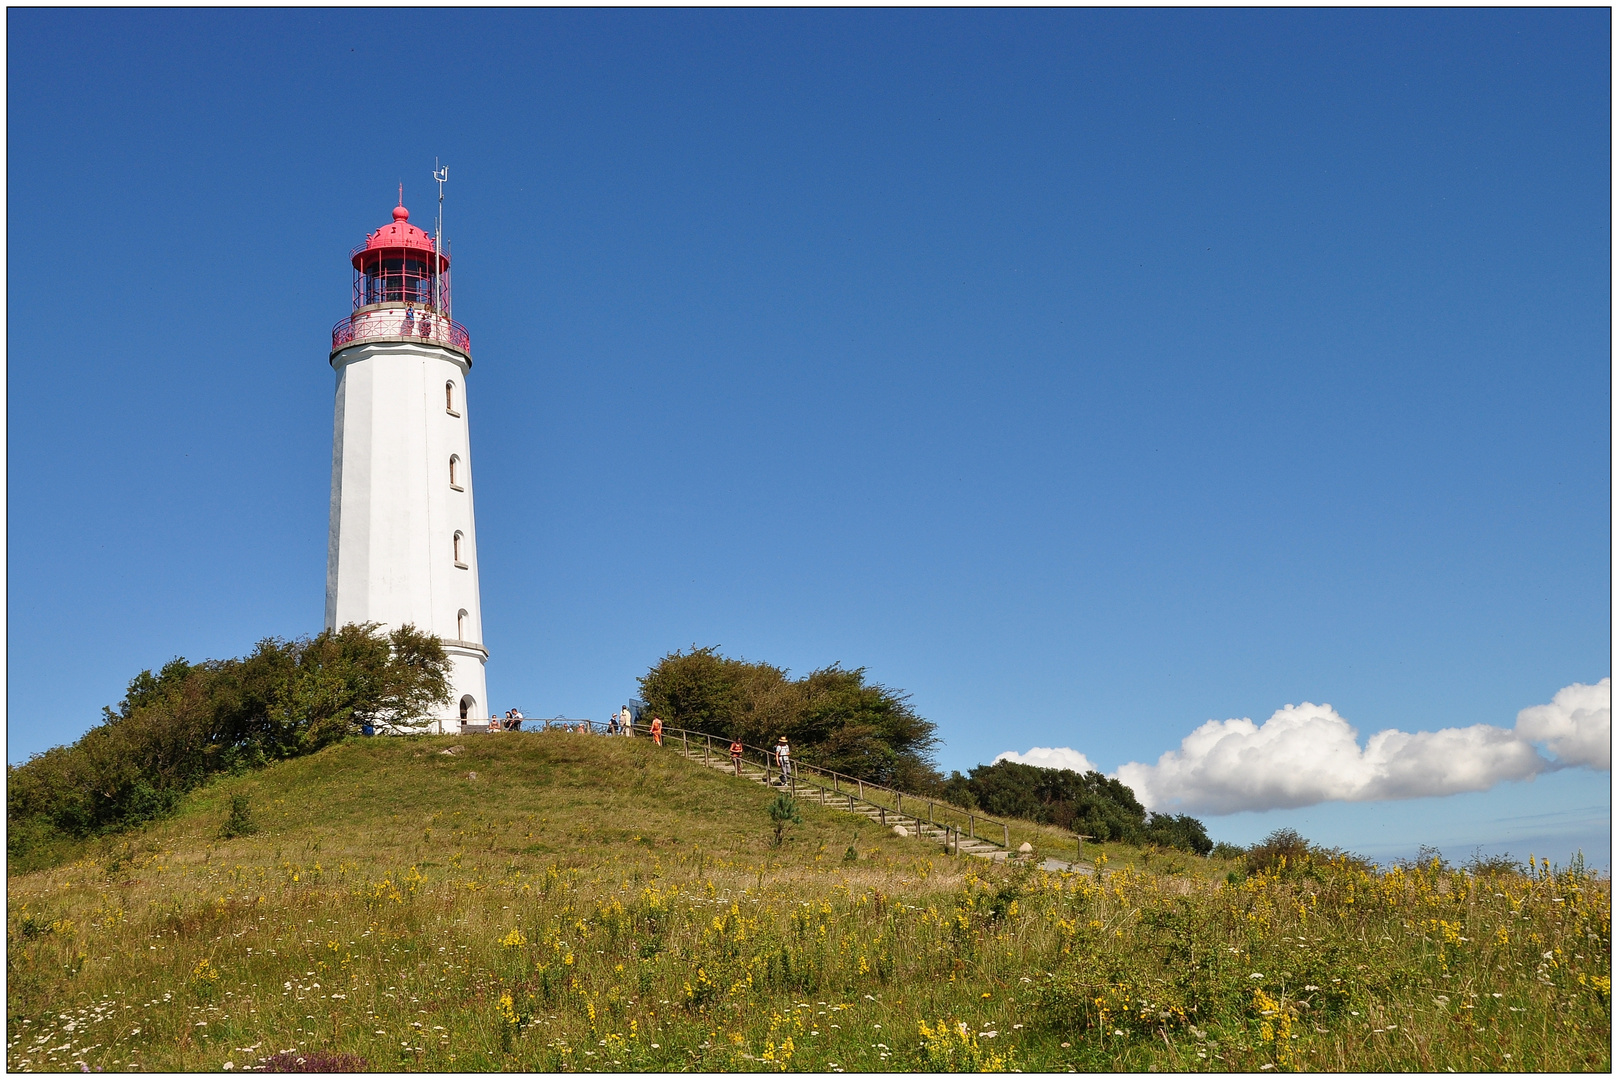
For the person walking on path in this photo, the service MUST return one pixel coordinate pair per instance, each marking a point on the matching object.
(612, 725)
(657, 730)
(783, 759)
(626, 721)
(736, 755)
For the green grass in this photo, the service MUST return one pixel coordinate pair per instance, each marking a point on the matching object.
(592, 904)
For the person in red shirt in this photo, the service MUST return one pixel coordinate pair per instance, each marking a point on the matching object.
(657, 730)
(736, 756)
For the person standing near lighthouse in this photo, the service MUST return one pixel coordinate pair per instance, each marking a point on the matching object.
(403, 542)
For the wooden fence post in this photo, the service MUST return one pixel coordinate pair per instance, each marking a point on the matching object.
(972, 824)
(1004, 828)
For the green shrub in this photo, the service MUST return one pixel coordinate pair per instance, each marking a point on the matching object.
(832, 717)
(174, 730)
(783, 810)
(1182, 832)
(1092, 804)
(240, 822)
(1109, 997)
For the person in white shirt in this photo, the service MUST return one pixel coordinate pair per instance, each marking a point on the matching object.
(783, 759)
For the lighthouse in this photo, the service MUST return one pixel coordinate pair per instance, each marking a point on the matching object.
(403, 544)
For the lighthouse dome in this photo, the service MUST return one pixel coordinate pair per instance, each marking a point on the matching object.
(399, 234)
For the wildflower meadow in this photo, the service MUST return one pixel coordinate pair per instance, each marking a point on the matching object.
(561, 902)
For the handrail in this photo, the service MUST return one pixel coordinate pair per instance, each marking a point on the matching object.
(973, 820)
(403, 322)
(861, 789)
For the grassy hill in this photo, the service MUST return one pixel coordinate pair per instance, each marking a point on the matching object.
(557, 901)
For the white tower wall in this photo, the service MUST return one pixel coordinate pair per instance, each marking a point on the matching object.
(395, 514)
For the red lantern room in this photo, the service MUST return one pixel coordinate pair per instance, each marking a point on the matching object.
(401, 290)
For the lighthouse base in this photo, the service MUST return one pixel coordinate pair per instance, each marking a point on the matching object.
(469, 694)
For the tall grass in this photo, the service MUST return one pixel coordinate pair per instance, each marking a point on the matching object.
(588, 904)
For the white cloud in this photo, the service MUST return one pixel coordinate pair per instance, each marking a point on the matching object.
(1050, 757)
(1576, 726)
(1307, 754)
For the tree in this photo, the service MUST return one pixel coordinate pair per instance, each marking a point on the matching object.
(1088, 803)
(783, 810)
(240, 822)
(832, 717)
(1178, 831)
(174, 729)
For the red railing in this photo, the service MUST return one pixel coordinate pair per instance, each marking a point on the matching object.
(368, 325)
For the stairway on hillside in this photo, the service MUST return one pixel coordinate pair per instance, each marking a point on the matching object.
(843, 801)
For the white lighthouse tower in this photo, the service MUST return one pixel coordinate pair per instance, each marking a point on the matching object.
(403, 546)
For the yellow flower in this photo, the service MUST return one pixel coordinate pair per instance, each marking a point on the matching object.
(506, 1008)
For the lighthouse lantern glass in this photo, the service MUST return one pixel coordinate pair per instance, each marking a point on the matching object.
(404, 278)
(395, 269)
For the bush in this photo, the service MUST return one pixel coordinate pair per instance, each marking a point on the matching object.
(1109, 995)
(1427, 858)
(1182, 831)
(240, 822)
(174, 730)
(782, 811)
(1092, 804)
(1281, 849)
(1482, 865)
(832, 717)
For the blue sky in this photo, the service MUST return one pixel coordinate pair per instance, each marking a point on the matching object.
(1089, 375)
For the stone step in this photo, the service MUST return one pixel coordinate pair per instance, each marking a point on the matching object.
(838, 800)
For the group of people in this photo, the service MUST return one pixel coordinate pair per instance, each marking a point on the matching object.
(512, 721)
(783, 758)
(623, 723)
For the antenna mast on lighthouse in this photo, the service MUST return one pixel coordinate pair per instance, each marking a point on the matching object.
(440, 174)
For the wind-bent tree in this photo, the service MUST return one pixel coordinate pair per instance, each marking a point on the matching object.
(832, 717)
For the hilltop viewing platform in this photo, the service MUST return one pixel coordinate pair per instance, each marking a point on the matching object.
(400, 322)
